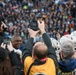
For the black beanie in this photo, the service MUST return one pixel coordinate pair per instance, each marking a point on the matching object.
(3, 54)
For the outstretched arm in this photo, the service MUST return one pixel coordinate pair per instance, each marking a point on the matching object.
(27, 51)
(29, 44)
(47, 41)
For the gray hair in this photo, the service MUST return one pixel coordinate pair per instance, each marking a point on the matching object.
(68, 48)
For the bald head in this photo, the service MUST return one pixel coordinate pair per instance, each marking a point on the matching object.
(40, 50)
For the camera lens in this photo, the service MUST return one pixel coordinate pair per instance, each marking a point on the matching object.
(33, 25)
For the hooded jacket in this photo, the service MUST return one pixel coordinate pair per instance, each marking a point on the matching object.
(67, 65)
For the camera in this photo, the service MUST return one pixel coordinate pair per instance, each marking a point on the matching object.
(7, 40)
(41, 17)
(33, 25)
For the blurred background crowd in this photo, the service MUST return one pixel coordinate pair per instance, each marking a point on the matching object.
(59, 16)
(16, 16)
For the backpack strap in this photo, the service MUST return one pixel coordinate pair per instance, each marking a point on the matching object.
(36, 62)
(30, 68)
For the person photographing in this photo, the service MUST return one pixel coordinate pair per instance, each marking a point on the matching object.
(41, 55)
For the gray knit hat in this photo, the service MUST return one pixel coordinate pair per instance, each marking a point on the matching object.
(68, 48)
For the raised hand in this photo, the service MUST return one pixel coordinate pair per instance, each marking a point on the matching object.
(3, 25)
(41, 26)
(3, 45)
(32, 33)
(10, 47)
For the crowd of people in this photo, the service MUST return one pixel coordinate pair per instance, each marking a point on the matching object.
(18, 14)
(33, 36)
